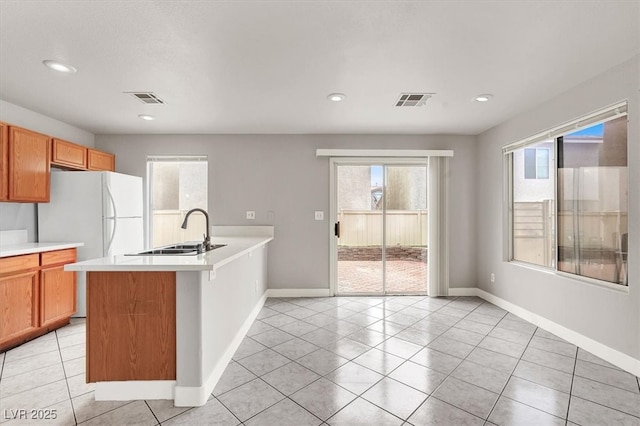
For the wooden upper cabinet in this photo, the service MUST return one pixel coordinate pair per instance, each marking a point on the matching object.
(29, 166)
(99, 160)
(4, 161)
(68, 154)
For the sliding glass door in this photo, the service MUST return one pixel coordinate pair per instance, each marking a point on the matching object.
(381, 228)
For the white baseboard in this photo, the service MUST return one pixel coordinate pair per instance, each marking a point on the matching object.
(463, 291)
(611, 355)
(298, 292)
(134, 389)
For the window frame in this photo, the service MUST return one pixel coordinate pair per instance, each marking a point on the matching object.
(603, 115)
(148, 205)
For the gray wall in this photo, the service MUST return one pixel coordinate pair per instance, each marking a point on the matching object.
(607, 316)
(23, 215)
(280, 177)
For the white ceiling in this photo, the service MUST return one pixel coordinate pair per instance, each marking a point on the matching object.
(267, 66)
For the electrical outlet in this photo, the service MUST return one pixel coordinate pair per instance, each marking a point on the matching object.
(319, 215)
(251, 215)
(493, 277)
(256, 290)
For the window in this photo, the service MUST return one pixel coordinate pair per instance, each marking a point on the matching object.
(176, 185)
(533, 208)
(536, 163)
(568, 197)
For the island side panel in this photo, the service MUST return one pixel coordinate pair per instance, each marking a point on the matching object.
(131, 326)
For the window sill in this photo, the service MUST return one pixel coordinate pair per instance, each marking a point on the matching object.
(592, 281)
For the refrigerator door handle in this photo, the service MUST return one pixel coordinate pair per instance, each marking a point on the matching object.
(115, 219)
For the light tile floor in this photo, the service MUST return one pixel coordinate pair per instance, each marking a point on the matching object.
(353, 361)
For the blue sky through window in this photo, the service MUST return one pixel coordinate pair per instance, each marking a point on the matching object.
(597, 130)
(376, 175)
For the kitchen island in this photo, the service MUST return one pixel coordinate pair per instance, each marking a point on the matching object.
(165, 327)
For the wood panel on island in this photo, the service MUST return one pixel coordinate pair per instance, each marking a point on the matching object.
(36, 295)
(131, 326)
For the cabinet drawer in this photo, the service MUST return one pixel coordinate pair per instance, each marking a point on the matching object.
(69, 154)
(19, 263)
(58, 257)
(99, 160)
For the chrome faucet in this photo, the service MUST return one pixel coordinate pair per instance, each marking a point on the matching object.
(207, 237)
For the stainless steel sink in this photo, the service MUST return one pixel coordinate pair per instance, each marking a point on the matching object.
(167, 252)
(177, 250)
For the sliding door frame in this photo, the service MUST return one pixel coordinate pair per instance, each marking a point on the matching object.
(334, 163)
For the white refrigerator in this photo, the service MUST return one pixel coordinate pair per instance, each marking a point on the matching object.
(101, 209)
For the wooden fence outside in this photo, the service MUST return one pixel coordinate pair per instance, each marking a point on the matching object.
(534, 233)
(166, 227)
(361, 228)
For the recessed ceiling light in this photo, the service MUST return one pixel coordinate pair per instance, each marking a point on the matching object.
(146, 117)
(336, 97)
(59, 66)
(483, 98)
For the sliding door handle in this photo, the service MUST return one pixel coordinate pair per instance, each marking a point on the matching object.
(336, 229)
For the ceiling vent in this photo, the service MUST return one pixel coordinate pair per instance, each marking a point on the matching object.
(147, 97)
(413, 99)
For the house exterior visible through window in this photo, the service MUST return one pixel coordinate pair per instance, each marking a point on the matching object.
(536, 163)
(568, 197)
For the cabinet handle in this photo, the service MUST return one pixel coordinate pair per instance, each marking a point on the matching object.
(336, 229)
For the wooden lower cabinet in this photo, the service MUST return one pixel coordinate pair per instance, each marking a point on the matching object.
(57, 295)
(18, 306)
(36, 295)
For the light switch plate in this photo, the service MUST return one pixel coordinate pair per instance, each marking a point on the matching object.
(319, 215)
(251, 215)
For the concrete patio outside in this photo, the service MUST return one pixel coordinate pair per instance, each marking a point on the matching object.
(365, 276)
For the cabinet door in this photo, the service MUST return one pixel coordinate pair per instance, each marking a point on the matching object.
(29, 158)
(68, 154)
(18, 305)
(4, 161)
(99, 160)
(57, 295)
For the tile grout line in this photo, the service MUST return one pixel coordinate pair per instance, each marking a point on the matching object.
(152, 413)
(348, 361)
(386, 376)
(598, 381)
(66, 382)
(261, 411)
(573, 375)
(408, 359)
(464, 359)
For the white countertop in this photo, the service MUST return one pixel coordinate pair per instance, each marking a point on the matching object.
(29, 248)
(209, 261)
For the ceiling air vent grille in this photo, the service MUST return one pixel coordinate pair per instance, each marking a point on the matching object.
(147, 97)
(413, 99)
